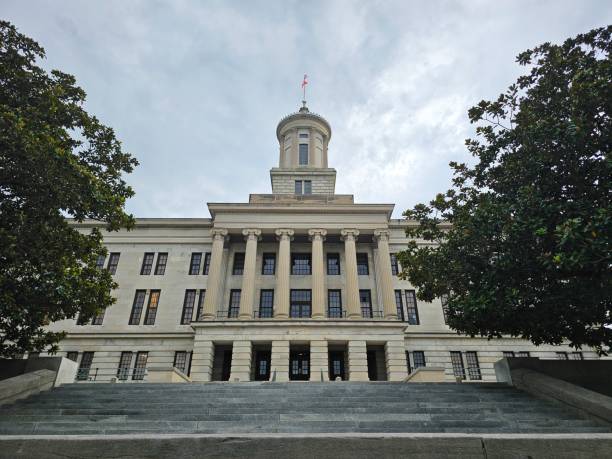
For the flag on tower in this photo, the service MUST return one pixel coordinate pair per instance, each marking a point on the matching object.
(304, 83)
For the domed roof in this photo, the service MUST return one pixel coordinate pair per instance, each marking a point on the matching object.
(303, 113)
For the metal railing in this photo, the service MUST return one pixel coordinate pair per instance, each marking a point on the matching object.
(107, 374)
(333, 314)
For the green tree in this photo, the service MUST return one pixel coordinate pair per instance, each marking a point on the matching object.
(522, 242)
(56, 161)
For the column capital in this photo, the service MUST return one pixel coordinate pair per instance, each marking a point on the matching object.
(317, 233)
(349, 234)
(382, 235)
(251, 233)
(284, 233)
(218, 233)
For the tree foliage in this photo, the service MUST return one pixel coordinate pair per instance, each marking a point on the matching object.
(56, 161)
(522, 242)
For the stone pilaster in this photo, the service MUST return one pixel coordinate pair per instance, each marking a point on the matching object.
(317, 236)
(279, 361)
(395, 356)
(247, 295)
(386, 278)
(357, 361)
(211, 300)
(283, 273)
(319, 361)
(202, 360)
(353, 305)
(241, 361)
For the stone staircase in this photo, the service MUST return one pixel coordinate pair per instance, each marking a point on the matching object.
(226, 408)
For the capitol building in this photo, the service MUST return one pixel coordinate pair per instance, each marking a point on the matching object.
(298, 284)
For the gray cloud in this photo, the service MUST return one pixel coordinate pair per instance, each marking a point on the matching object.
(195, 89)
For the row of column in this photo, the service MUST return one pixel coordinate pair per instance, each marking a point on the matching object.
(283, 272)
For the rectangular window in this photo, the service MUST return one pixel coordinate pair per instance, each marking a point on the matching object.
(411, 307)
(473, 366)
(301, 303)
(457, 361)
(85, 366)
(303, 136)
(113, 262)
(72, 355)
(234, 305)
(180, 361)
(333, 264)
(162, 260)
(365, 299)
(188, 303)
(418, 357)
(399, 304)
(201, 299)
(268, 265)
(522, 354)
(298, 187)
(266, 304)
(140, 367)
(444, 301)
(303, 154)
(147, 264)
(139, 299)
(98, 318)
(194, 264)
(100, 261)
(334, 304)
(300, 263)
(307, 186)
(394, 265)
(576, 356)
(562, 356)
(152, 307)
(207, 256)
(125, 363)
(81, 319)
(238, 268)
(508, 354)
(362, 264)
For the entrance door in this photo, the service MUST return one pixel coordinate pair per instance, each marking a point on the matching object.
(336, 365)
(372, 373)
(227, 365)
(299, 366)
(262, 365)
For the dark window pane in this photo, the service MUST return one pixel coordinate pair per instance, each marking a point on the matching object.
(98, 318)
(139, 299)
(303, 154)
(300, 263)
(300, 304)
(206, 263)
(333, 264)
(471, 359)
(85, 366)
(180, 361)
(334, 303)
(113, 262)
(140, 366)
(408, 362)
(266, 304)
(307, 187)
(234, 306)
(418, 358)
(444, 301)
(147, 264)
(399, 304)
(366, 304)
(238, 268)
(125, 363)
(268, 266)
(362, 264)
(100, 261)
(457, 361)
(562, 355)
(152, 307)
(508, 354)
(201, 299)
(522, 354)
(194, 264)
(81, 319)
(188, 303)
(298, 187)
(394, 265)
(303, 136)
(576, 356)
(72, 355)
(160, 267)
(411, 307)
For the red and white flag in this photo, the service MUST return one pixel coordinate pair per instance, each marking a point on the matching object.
(304, 81)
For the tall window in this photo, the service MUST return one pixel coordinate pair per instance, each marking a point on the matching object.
(411, 307)
(194, 264)
(81, 319)
(333, 264)
(137, 306)
(471, 358)
(162, 260)
(125, 363)
(334, 303)
(300, 263)
(522, 354)
(303, 154)
(365, 299)
(234, 305)
(301, 303)
(266, 304)
(303, 187)
(72, 355)
(180, 361)
(140, 366)
(457, 361)
(298, 187)
(85, 366)
(113, 262)
(399, 305)
(576, 356)
(147, 264)
(394, 265)
(268, 266)
(307, 186)
(98, 318)
(562, 356)
(444, 301)
(100, 261)
(188, 303)
(201, 299)
(152, 307)
(238, 268)
(418, 357)
(362, 264)
(508, 354)
(206, 263)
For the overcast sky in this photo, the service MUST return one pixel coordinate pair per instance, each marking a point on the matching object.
(195, 89)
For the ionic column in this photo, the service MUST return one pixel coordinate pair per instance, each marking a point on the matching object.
(279, 361)
(386, 278)
(282, 273)
(353, 305)
(211, 300)
(248, 274)
(317, 236)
